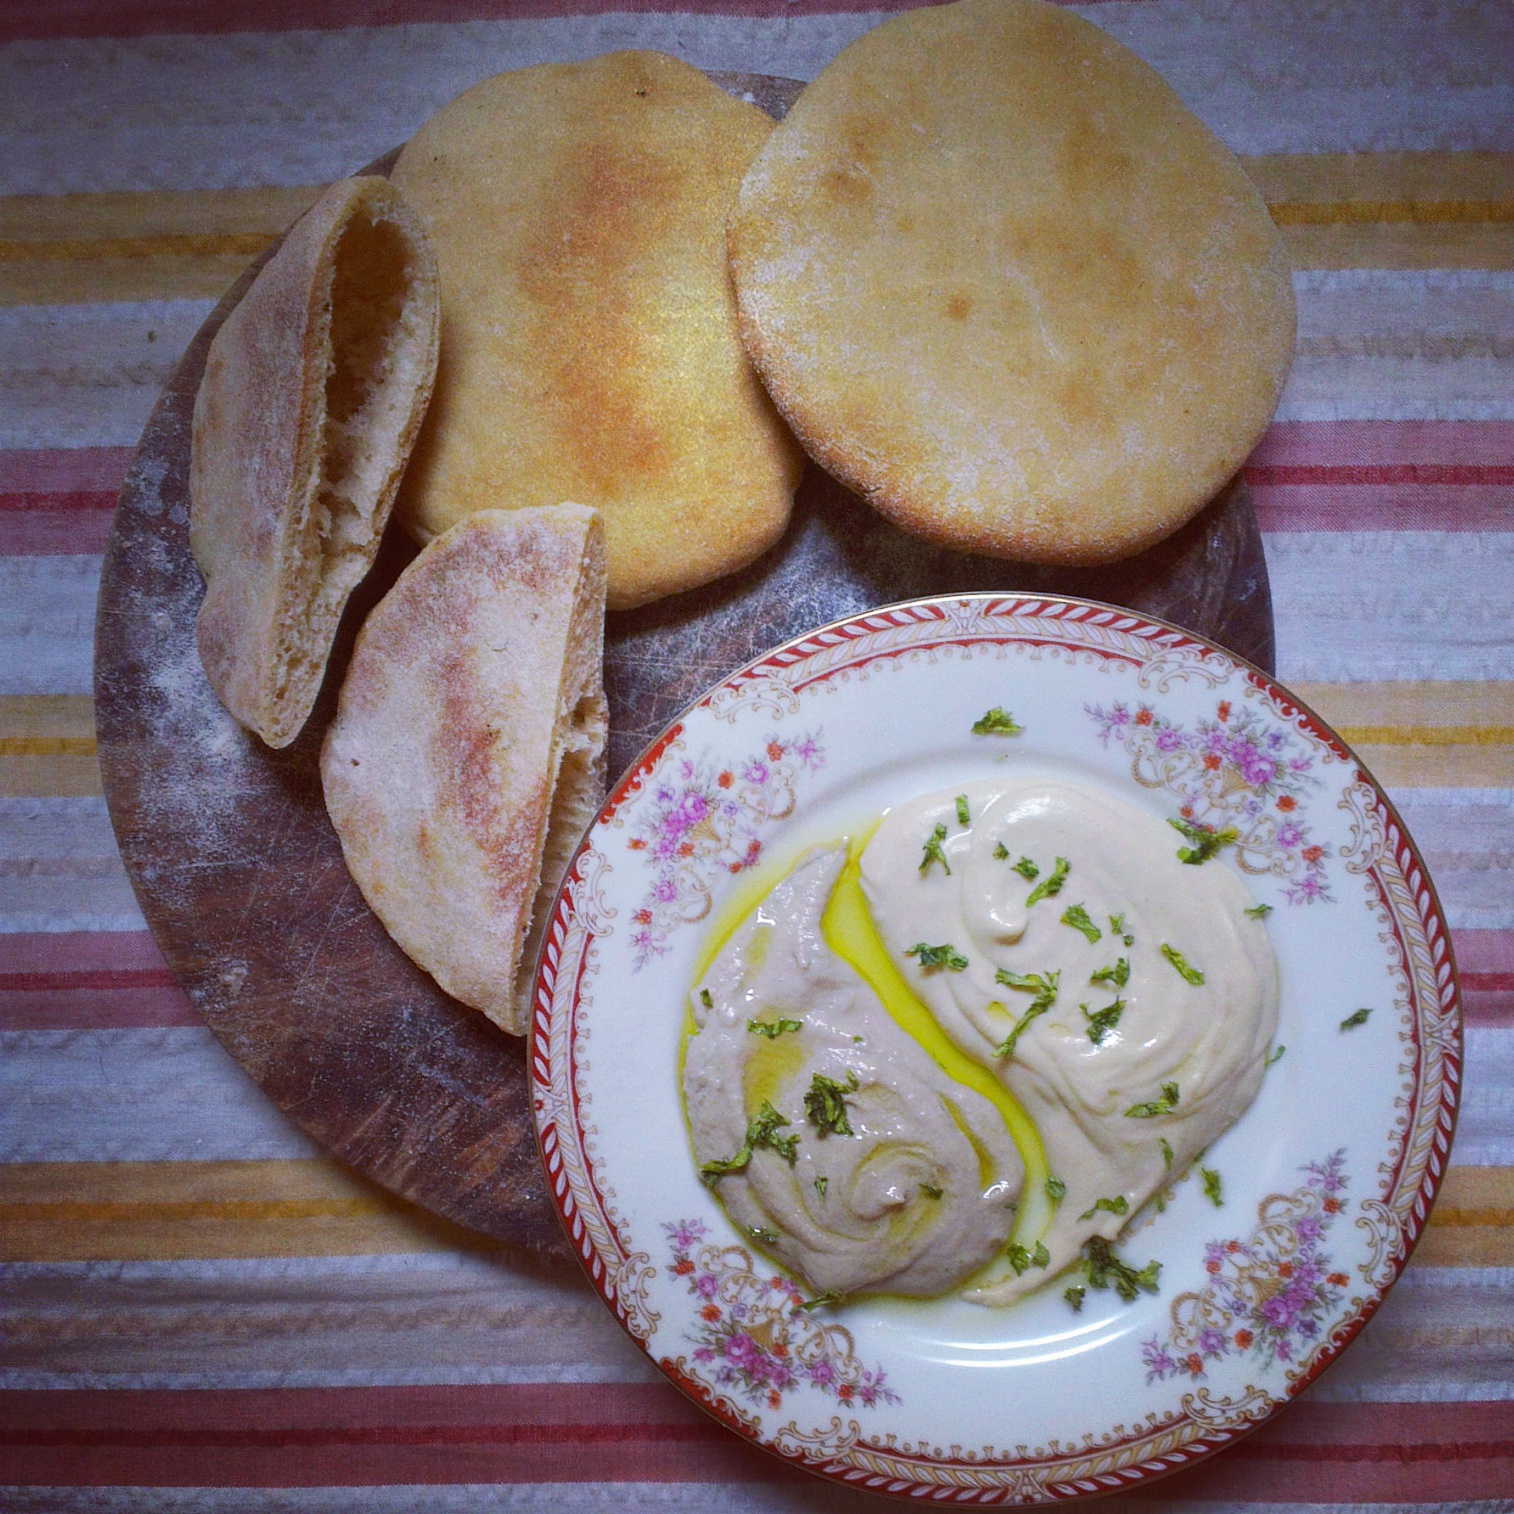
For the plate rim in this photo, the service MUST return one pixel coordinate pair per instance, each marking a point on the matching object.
(1008, 1479)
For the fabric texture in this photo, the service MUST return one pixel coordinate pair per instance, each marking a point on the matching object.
(199, 1310)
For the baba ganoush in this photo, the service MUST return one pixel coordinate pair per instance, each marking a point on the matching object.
(955, 1056)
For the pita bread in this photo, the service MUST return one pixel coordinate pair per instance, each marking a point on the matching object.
(1001, 282)
(467, 754)
(313, 392)
(590, 349)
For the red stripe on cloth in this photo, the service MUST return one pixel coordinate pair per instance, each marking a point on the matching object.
(63, 470)
(1367, 444)
(88, 981)
(609, 1432)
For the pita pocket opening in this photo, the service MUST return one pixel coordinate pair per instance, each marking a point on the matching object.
(313, 393)
(467, 754)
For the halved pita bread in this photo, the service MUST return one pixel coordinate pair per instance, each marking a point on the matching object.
(467, 754)
(313, 392)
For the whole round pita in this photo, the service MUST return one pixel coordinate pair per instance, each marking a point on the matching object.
(589, 341)
(1003, 283)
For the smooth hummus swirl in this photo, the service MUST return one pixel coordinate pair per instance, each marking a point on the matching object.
(917, 1193)
(1124, 1097)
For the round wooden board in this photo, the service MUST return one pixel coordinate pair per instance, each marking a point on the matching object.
(240, 875)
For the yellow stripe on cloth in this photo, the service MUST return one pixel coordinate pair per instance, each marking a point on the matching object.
(169, 1211)
(1424, 735)
(1472, 1224)
(77, 249)
(136, 1211)
(47, 747)
(1391, 209)
(1336, 210)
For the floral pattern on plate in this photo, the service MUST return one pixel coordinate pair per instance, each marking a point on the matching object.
(1269, 1295)
(1235, 772)
(705, 819)
(755, 1334)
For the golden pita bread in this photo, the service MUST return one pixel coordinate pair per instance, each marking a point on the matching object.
(1000, 281)
(590, 349)
(313, 392)
(467, 754)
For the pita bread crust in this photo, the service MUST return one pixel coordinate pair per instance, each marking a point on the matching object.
(1001, 282)
(591, 350)
(313, 393)
(467, 753)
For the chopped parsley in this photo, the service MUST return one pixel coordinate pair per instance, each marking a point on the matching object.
(964, 815)
(997, 722)
(931, 1191)
(1001, 852)
(1212, 1186)
(1074, 1296)
(933, 852)
(1045, 990)
(1117, 976)
(1043, 987)
(1352, 1021)
(1117, 928)
(1102, 1021)
(772, 1029)
(1117, 1205)
(1206, 841)
(821, 1184)
(946, 955)
(761, 1233)
(1166, 1152)
(825, 1104)
(1168, 1101)
(1104, 1269)
(823, 1300)
(761, 1131)
(1077, 917)
(1051, 884)
(1273, 1055)
(1026, 869)
(1180, 963)
(1022, 1260)
(1056, 1189)
(706, 998)
(1258, 911)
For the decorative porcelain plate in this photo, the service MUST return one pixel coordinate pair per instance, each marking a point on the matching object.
(1327, 1177)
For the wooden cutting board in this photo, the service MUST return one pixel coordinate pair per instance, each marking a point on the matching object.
(240, 875)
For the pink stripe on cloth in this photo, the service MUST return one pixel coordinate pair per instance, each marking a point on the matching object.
(1374, 444)
(63, 470)
(1337, 504)
(35, 20)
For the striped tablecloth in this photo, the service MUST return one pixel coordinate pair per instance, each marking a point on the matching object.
(199, 1309)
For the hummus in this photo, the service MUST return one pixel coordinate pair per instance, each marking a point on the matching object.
(1121, 995)
(831, 1137)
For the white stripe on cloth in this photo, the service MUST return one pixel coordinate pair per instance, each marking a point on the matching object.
(169, 1093)
(207, 112)
(1402, 344)
(1392, 606)
(60, 869)
(47, 624)
(88, 375)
